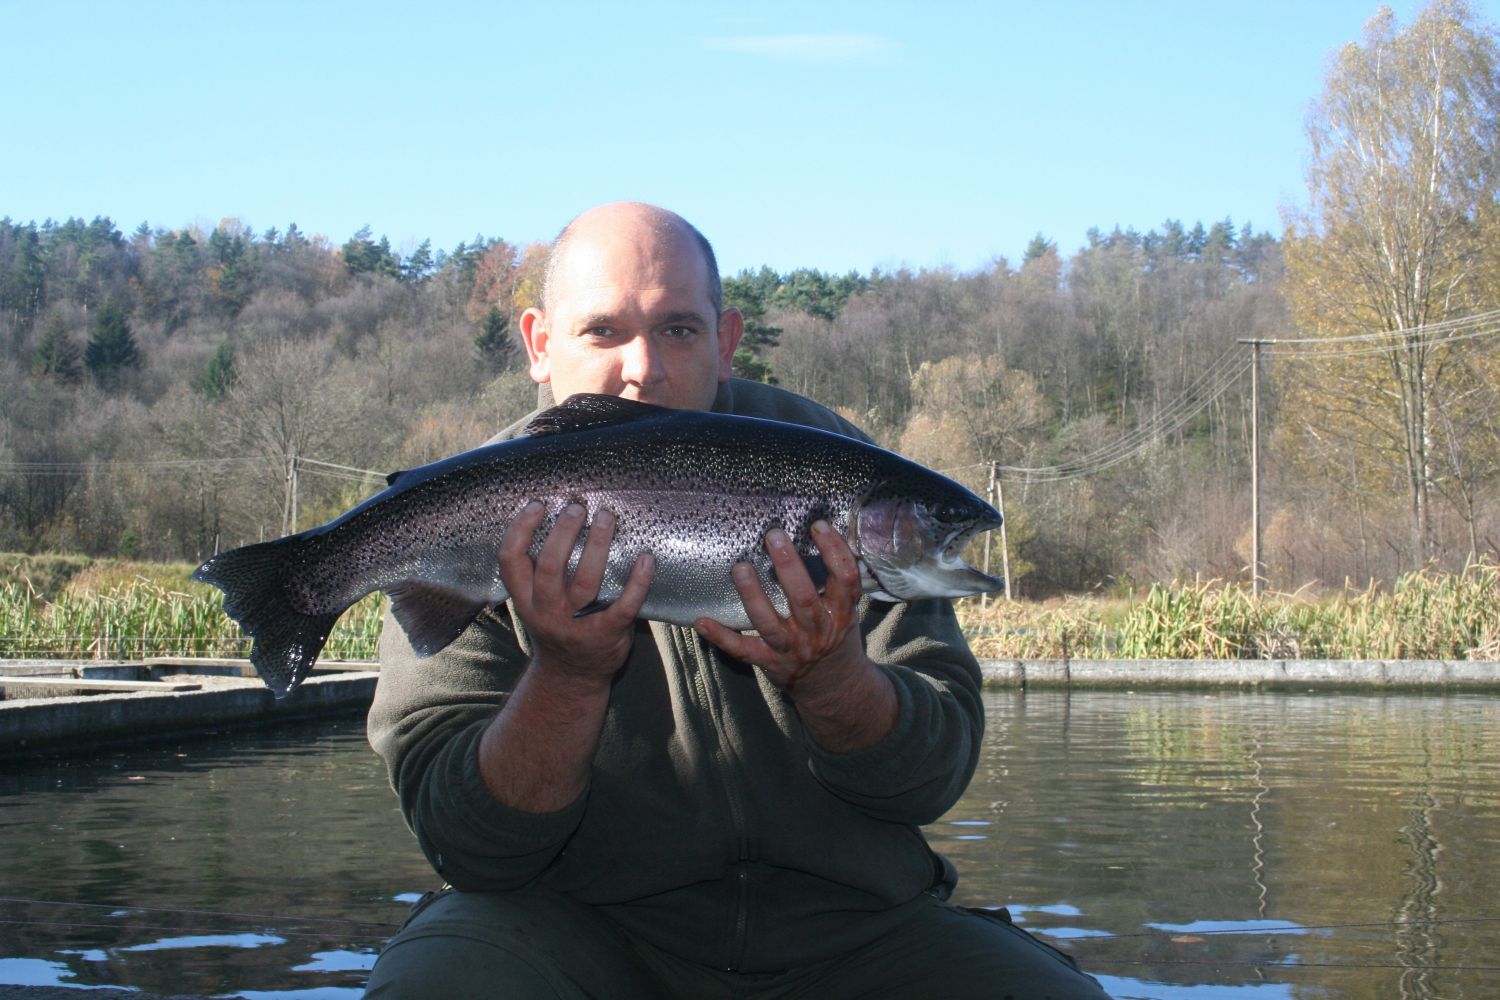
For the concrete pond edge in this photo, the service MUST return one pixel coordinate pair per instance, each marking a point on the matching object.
(72, 723)
(1434, 676)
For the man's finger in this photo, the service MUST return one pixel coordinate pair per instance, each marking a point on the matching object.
(758, 607)
(633, 595)
(550, 582)
(745, 648)
(804, 603)
(843, 567)
(843, 584)
(516, 570)
(594, 560)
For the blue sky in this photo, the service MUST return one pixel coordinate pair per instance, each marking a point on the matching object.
(829, 135)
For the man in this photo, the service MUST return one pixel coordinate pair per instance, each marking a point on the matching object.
(632, 809)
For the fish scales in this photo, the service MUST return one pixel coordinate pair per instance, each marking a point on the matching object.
(699, 491)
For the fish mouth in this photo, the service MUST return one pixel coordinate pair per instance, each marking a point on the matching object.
(963, 534)
(959, 574)
(906, 553)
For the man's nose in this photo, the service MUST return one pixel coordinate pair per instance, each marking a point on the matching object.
(642, 362)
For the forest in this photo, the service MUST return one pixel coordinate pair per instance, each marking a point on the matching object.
(168, 391)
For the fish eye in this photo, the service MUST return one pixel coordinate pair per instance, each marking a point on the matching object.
(951, 511)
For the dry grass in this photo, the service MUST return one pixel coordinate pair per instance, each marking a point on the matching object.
(1426, 615)
(117, 610)
(113, 609)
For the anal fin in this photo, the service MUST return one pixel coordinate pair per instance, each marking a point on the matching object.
(432, 615)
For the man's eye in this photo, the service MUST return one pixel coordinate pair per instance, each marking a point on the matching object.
(680, 331)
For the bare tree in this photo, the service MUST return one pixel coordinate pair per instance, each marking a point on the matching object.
(1405, 152)
(290, 402)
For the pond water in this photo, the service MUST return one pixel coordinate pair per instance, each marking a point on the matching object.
(1229, 845)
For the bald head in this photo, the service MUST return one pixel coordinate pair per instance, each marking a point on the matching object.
(630, 227)
(631, 307)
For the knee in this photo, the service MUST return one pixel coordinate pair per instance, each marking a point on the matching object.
(528, 945)
(455, 965)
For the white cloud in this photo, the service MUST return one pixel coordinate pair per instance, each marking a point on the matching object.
(805, 48)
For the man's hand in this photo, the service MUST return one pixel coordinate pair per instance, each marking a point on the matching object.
(537, 753)
(816, 652)
(546, 600)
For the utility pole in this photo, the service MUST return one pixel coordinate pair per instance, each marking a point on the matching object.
(989, 498)
(1004, 545)
(994, 495)
(289, 515)
(1257, 564)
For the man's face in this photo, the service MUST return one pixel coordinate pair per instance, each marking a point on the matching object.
(629, 315)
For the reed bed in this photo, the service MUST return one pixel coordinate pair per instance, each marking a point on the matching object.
(1426, 615)
(141, 618)
(113, 610)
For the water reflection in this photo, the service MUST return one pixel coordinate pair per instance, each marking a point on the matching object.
(248, 862)
(1229, 845)
(1338, 837)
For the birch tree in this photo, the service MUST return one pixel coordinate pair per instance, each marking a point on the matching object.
(1402, 170)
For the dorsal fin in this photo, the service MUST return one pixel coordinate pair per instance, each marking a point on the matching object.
(584, 410)
(391, 477)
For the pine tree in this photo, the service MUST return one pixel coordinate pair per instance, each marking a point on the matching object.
(1036, 249)
(111, 345)
(218, 375)
(57, 356)
(493, 347)
(747, 292)
(419, 266)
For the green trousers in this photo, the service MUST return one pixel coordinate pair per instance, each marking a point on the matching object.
(536, 944)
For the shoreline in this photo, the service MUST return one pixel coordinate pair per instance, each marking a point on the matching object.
(49, 711)
(46, 711)
(1433, 676)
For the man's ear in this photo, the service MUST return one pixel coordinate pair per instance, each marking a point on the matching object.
(534, 334)
(731, 329)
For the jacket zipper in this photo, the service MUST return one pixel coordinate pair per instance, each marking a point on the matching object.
(741, 917)
(730, 784)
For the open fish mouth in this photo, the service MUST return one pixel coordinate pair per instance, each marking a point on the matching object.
(959, 539)
(951, 561)
(916, 554)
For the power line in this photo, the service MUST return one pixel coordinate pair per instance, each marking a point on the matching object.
(1307, 349)
(1222, 373)
(331, 469)
(1228, 369)
(341, 468)
(74, 468)
(1427, 331)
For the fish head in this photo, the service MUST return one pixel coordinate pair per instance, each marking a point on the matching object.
(910, 536)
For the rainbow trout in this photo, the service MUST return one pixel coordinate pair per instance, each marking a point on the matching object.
(698, 490)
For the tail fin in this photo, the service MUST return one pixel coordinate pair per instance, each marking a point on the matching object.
(287, 641)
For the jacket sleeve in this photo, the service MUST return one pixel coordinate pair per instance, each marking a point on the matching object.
(426, 722)
(922, 767)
